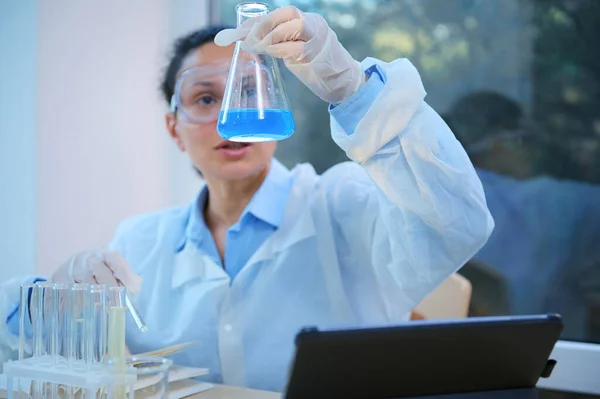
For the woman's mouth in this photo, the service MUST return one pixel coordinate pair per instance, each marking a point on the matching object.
(233, 149)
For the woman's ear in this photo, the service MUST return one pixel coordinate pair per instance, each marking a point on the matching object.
(171, 122)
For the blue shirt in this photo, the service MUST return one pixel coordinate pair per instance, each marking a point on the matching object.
(259, 220)
(263, 214)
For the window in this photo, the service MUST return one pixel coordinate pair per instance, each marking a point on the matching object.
(518, 81)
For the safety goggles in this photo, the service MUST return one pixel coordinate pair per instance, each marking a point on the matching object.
(199, 93)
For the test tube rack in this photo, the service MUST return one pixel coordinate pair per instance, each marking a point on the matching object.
(45, 379)
(71, 340)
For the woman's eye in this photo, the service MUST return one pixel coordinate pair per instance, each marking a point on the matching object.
(205, 100)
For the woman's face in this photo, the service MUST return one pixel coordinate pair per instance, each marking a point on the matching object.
(216, 158)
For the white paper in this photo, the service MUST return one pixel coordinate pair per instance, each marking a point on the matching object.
(176, 373)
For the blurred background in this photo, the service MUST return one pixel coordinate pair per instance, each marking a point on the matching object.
(83, 143)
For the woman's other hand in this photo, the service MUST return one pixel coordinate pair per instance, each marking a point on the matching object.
(98, 267)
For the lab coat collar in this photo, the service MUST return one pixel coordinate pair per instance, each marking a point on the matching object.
(190, 264)
(297, 224)
(268, 205)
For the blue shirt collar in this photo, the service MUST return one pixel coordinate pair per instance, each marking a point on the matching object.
(267, 204)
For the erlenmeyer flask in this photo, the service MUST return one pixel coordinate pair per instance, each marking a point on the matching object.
(255, 105)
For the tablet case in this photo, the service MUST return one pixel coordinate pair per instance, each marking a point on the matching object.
(486, 357)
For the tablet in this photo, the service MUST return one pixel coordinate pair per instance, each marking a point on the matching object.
(421, 358)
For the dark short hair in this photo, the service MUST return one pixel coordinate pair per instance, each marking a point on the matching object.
(181, 49)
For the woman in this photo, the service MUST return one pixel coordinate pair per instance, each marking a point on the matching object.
(264, 251)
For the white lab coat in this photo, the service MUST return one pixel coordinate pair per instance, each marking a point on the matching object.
(361, 244)
(348, 251)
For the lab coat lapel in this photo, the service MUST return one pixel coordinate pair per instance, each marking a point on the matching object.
(190, 264)
(297, 225)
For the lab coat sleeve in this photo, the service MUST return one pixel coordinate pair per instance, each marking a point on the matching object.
(349, 113)
(426, 214)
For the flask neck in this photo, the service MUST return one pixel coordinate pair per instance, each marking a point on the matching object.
(246, 11)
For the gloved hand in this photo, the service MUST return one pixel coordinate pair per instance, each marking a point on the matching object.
(308, 46)
(98, 267)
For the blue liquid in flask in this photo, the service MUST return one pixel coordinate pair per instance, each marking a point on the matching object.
(253, 125)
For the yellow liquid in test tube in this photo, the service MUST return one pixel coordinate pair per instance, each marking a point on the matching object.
(116, 342)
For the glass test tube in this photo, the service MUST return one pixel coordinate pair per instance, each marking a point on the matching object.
(52, 334)
(36, 305)
(120, 391)
(26, 313)
(99, 322)
(41, 323)
(116, 335)
(62, 310)
(47, 322)
(25, 328)
(116, 324)
(79, 332)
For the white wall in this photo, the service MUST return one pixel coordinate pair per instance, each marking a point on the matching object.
(83, 142)
(102, 147)
(185, 16)
(18, 149)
